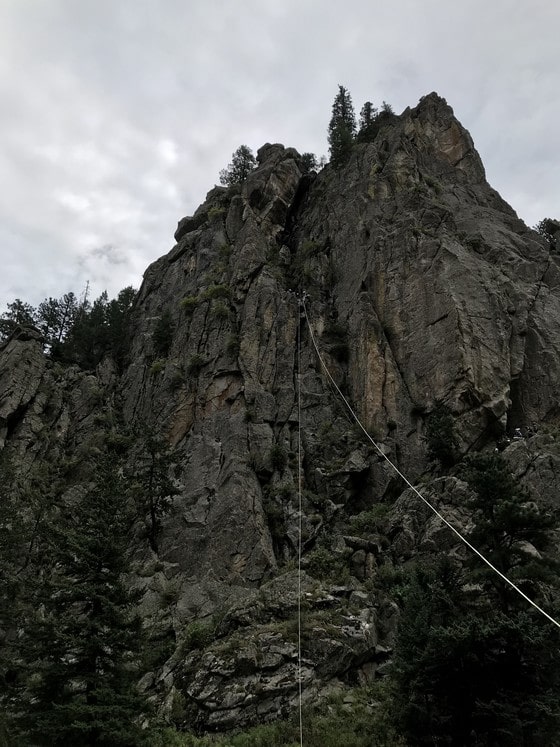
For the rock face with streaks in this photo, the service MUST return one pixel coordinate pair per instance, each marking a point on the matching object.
(422, 288)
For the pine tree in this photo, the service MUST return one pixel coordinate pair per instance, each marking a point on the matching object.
(368, 123)
(550, 229)
(26, 503)
(475, 664)
(18, 314)
(82, 645)
(12, 540)
(97, 331)
(440, 436)
(56, 317)
(513, 532)
(342, 127)
(309, 161)
(118, 320)
(151, 484)
(242, 163)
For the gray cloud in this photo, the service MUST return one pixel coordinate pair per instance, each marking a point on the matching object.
(117, 117)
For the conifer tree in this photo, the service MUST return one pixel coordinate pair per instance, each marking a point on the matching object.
(24, 506)
(18, 314)
(368, 123)
(550, 229)
(309, 161)
(56, 317)
(475, 664)
(242, 163)
(342, 127)
(98, 330)
(118, 320)
(82, 645)
(151, 485)
(440, 436)
(12, 539)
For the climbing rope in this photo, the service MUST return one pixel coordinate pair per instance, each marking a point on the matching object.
(410, 485)
(299, 527)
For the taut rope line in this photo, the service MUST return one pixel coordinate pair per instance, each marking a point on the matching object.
(299, 522)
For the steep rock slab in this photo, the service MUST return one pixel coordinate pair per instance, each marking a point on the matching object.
(438, 281)
(22, 365)
(232, 346)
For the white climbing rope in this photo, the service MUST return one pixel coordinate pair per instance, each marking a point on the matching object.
(411, 486)
(299, 527)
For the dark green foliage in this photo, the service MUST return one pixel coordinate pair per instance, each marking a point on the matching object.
(189, 304)
(197, 635)
(242, 163)
(56, 316)
(217, 290)
(18, 314)
(220, 311)
(440, 435)
(322, 563)
(15, 537)
(463, 667)
(97, 331)
(152, 487)
(160, 645)
(371, 521)
(550, 229)
(216, 212)
(309, 161)
(505, 521)
(88, 339)
(430, 602)
(371, 121)
(29, 506)
(369, 126)
(82, 643)
(340, 142)
(473, 657)
(117, 320)
(25, 506)
(342, 127)
(158, 366)
(162, 336)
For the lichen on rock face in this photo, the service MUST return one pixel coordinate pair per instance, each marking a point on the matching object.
(423, 289)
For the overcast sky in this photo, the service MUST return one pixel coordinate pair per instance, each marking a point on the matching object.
(117, 115)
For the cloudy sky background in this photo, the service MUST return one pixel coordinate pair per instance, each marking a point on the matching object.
(117, 115)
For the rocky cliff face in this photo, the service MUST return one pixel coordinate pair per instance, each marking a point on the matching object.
(423, 287)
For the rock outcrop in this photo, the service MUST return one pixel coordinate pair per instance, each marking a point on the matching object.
(423, 288)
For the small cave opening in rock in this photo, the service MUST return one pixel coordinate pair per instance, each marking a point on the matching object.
(14, 419)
